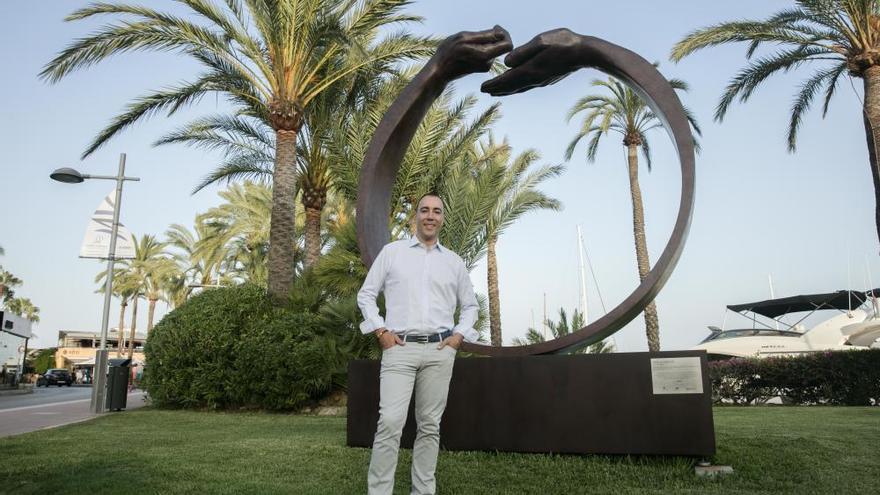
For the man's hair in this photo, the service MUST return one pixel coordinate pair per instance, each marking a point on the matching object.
(431, 193)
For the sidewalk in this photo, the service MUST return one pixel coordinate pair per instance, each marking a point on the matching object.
(18, 420)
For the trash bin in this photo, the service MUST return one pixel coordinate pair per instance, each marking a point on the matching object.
(117, 384)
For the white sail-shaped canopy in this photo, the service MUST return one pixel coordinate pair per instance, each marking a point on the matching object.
(96, 243)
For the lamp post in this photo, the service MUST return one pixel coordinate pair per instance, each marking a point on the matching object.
(71, 176)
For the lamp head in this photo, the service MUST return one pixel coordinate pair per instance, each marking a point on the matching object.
(68, 175)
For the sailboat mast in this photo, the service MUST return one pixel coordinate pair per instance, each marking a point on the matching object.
(544, 321)
(772, 296)
(583, 275)
(874, 302)
(849, 284)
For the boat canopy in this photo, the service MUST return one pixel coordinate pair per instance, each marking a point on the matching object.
(772, 308)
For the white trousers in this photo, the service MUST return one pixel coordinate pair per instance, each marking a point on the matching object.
(428, 370)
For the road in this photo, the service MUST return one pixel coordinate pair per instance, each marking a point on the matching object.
(50, 407)
(45, 395)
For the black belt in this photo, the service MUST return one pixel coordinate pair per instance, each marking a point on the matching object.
(424, 339)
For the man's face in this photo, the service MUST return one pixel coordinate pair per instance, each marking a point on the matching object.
(429, 218)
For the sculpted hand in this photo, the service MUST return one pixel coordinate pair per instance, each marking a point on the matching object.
(547, 58)
(469, 52)
(454, 341)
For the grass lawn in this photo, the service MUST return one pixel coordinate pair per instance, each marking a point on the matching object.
(772, 449)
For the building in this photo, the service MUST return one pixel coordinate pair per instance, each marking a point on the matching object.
(11, 347)
(77, 349)
(15, 332)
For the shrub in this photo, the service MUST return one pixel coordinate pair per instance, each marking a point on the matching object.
(835, 378)
(230, 348)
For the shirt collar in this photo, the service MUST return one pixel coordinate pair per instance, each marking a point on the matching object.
(414, 241)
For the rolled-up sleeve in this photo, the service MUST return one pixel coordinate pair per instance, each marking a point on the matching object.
(467, 316)
(366, 298)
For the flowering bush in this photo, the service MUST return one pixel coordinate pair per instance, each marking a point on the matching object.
(849, 378)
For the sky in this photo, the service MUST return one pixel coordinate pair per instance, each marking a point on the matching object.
(805, 218)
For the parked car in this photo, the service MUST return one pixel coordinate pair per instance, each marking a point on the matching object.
(55, 376)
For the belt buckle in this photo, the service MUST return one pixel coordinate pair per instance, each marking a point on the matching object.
(422, 339)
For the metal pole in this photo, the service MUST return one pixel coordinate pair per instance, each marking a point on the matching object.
(100, 378)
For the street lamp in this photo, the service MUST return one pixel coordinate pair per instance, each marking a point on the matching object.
(72, 176)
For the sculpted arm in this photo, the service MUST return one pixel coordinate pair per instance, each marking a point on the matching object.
(460, 54)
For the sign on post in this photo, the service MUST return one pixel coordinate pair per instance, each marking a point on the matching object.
(96, 243)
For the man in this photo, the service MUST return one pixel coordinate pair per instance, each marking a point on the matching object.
(422, 281)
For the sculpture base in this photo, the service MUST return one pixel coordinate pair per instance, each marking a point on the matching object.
(579, 404)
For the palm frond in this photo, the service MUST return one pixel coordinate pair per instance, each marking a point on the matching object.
(748, 79)
(171, 99)
(233, 135)
(240, 167)
(741, 31)
(804, 98)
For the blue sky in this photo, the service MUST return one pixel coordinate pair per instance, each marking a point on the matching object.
(804, 218)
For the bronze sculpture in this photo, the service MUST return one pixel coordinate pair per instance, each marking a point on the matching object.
(543, 61)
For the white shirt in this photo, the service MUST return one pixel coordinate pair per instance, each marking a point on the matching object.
(421, 289)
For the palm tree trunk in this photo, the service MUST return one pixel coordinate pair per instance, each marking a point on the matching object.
(872, 125)
(151, 310)
(312, 236)
(652, 323)
(494, 300)
(134, 315)
(283, 222)
(120, 330)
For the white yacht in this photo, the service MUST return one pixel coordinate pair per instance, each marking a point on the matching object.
(854, 324)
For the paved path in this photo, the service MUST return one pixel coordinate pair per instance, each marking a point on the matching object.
(54, 407)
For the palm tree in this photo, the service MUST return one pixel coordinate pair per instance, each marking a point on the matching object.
(228, 245)
(23, 307)
(158, 270)
(149, 265)
(199, 257)
(315, 179)
(141, 277)
(515, 195)
(125, 287)
(132, 328)
(248, 145)
(564, 327)
(8, 282)
(175, 288)
(840, 37)
(272, 59)
(625, 113)
(241, 227)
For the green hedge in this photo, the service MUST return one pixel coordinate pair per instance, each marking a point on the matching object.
(230, 348)
(836, 378)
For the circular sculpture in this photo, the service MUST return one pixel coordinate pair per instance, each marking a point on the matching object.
(544, 60)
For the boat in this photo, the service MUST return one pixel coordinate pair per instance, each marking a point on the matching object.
(854, 324)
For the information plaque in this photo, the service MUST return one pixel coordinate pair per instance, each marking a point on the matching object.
(680, 375)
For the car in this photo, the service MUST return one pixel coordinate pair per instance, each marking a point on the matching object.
(55, 376)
